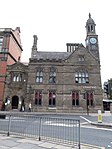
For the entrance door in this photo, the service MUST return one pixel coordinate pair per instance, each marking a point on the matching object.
(106, 106)
(15, 102)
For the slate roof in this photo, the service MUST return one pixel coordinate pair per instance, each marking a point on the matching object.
(52, 55)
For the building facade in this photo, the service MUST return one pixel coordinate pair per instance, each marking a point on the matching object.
(58, 81)
(10, 52)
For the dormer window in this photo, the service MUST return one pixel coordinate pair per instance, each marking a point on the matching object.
(81, 58)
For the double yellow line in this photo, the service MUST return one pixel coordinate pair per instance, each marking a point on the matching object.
(88, 146)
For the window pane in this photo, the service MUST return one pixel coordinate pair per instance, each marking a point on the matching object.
(14, 78)
(39, 101)
(76, 74)
(41, 74)
(17, 79)
(87, 80)
(49, 101)
(54, 74)
(83, 80)
(80, 74)
(37, 74)
(36, 101)
(41, 80)
(80, 81)
(77, 102)
(37, 79)
(86, 74)
(76, 80)
(50, 80)
(73, 102)
(83, 74)
(1, 39)
(54, 101)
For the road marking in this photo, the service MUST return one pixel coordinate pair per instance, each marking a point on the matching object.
(85, 119)
(89, 146)
(52, 123)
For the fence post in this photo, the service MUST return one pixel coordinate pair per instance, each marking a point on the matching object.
(9, 125)
(40, 129)
(79, 134)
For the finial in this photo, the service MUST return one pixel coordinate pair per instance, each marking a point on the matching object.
(89, 15)
(19, 59)
(35, 39)
(35, 42)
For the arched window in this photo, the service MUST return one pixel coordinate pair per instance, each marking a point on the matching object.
(38, 98)
(89, 96)
(52, 98)
(52, 75)
(75, 98)
(17, 78)
(14, 78)
(92, 28)
(81, 77)
(88, 28)
(39, 76)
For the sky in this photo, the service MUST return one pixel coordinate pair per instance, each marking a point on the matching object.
(57, 22)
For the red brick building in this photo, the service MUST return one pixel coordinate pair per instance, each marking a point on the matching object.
(10, 52)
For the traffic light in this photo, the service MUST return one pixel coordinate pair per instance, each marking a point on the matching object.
(106, 88)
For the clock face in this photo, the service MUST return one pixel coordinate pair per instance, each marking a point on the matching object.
(93, 40)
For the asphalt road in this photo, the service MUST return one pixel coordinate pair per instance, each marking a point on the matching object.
(89, 134)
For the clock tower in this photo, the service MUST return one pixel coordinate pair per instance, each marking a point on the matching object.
(92, 37)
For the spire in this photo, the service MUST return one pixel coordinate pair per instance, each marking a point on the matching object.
(35, 42)
(89, 15)
(90, 25)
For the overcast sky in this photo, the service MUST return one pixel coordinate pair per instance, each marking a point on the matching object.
(57, 22)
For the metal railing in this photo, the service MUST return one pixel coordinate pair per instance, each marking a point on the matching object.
(55, 129)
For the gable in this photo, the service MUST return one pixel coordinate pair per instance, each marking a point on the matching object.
(17, 67)
(82, 56)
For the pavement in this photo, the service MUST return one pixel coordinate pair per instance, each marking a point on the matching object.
(15, 142)
(104, 121)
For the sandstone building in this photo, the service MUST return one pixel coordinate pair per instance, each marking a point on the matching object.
(10, 52)
(58, 81)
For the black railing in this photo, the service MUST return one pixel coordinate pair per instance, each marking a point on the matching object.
(55, 129)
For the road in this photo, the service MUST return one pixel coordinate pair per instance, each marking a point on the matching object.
(89, 134)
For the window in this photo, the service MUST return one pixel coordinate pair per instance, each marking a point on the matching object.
(3, 57)
(39, 76)
(52, 98)
(93, 47)
(81, 58)
(81, 77)
(1, 42)
(88, 29)
(38, 98)
(75, 98)
(52, 75)
(89, 96)
(92, 28)
(17, 78)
